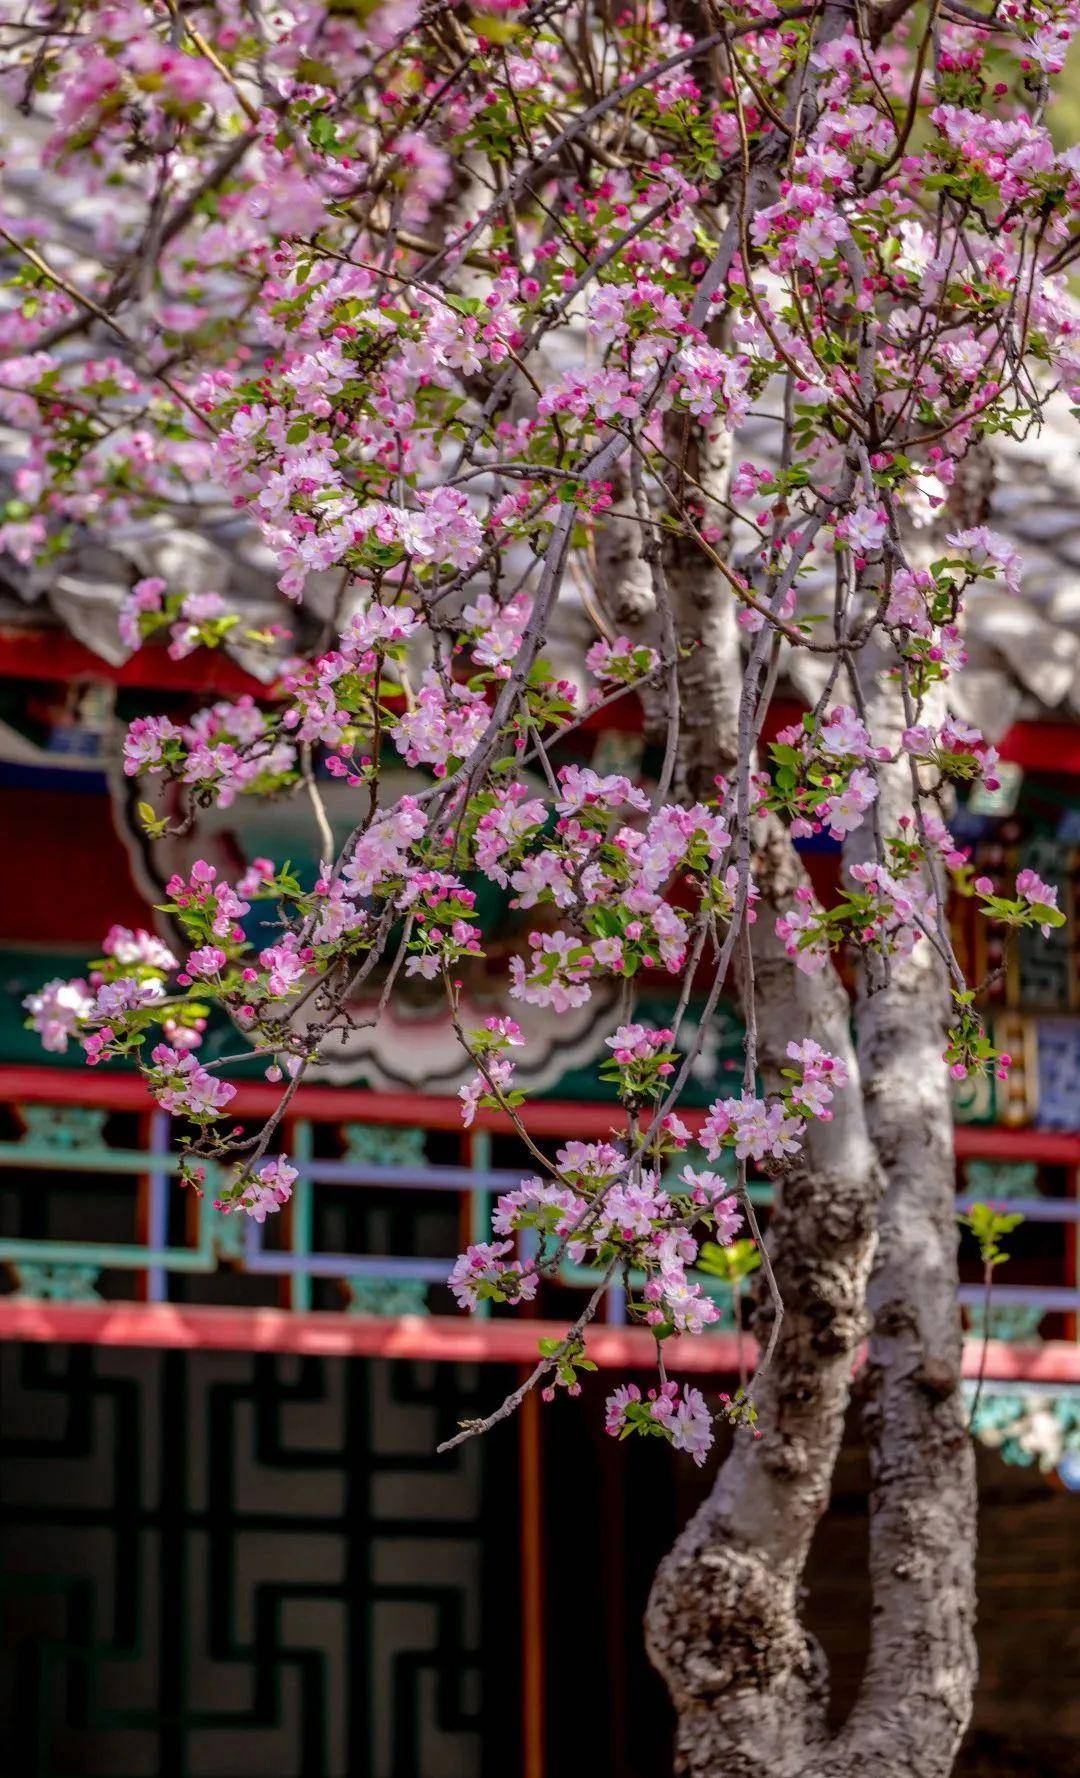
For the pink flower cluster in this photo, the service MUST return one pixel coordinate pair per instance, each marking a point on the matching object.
(676, 1413)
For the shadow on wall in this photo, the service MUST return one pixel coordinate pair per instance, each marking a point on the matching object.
(1027, 1709)
(988, 1755)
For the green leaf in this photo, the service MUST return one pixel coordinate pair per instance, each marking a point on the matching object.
(151, 821)
(1047, 916)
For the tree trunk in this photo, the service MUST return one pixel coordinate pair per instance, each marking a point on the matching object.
(748, 1684)
(722, 1626)
(915, 1701)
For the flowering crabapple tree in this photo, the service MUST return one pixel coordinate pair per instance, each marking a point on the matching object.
(463, 310)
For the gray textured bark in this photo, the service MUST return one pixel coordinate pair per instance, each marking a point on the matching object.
(915, 1700)
(723, 1625)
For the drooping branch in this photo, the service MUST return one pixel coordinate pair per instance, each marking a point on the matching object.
(465, 322)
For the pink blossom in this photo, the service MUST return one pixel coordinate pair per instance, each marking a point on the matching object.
(1031, 888)
(271, 1187)
(483, 1272)
(843, 813)
(992, 554)
(863, 530)
(57, 1010)
(286, 965)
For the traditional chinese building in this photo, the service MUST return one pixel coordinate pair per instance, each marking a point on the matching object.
(229, 1546)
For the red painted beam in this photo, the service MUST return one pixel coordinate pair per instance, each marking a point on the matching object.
(56, 657)
(441, 1338)
(323, 1104)
(996, 1142)
(26, 1085)
(1052, 1361)
(1052, 747)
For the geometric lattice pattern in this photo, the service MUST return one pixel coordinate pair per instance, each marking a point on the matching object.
(376, 1217)
(90, 1211)
(221, 1565)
